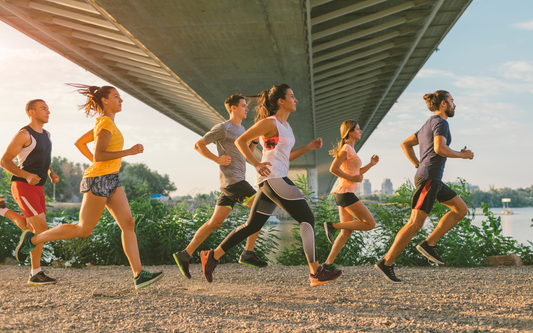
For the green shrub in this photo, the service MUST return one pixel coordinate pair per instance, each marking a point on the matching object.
(160, 231)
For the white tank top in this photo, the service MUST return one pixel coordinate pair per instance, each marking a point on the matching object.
(277, 151)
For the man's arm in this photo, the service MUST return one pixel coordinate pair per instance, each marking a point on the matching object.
(201, 147)
(440, 147)
(407, 147)
(20, 140)
(53, 177)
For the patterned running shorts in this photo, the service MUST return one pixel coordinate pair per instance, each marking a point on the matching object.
(101, 186)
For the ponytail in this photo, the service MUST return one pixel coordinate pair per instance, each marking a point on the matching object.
(346, 128)
(93, 106)
(267, 101)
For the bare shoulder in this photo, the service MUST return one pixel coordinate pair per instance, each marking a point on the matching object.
(23, 135)
(267, 123)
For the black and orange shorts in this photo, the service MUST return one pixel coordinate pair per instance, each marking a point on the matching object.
(428, 191)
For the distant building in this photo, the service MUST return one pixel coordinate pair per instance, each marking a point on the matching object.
(386, 187)
(367, 187)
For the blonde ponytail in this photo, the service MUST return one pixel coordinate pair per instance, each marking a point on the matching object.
(346, 128)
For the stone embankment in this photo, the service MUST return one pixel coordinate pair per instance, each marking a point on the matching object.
(274, 299)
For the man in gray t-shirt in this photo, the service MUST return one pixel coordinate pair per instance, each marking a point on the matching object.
(233, 186)
(224, 136)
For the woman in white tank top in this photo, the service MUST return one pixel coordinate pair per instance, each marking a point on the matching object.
(275, 189)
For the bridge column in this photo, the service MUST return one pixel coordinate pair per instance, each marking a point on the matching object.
(312, 179)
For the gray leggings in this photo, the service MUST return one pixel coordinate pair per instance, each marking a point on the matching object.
(283, 193)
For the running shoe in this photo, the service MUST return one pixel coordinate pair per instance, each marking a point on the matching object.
(323, 276)
(145, 278)
(24, 246)
(209, 263)
(387, 271)
(183, 263)
(330, 231)
(2, 203)
(430, 252)
(252, 260)
(41, 279)
(331, 268)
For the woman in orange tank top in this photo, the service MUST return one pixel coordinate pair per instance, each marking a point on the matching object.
(353, 213)
(100, 184)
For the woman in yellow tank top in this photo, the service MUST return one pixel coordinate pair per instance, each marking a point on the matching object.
(100, 183)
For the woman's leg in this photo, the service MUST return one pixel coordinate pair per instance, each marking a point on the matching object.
(118, 206)
(289, 198)
(261, 210)
(92, 208)
(363, 221)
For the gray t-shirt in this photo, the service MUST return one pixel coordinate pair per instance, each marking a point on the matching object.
(224, 135)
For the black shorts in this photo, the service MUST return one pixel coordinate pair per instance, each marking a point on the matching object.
(241, 192)
(428, 191)
(101, 186)
(345, 199)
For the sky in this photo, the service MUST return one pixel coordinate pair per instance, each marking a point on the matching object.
(485, 62)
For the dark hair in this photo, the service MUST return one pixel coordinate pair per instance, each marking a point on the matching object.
(31, 105)
(233, 100)
(267, 103)
(433, 100)
(94, 95)
(346, 128)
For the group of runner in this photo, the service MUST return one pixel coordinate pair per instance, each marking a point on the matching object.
(235, 145)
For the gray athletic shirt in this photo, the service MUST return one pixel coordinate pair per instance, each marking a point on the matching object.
(224, 135)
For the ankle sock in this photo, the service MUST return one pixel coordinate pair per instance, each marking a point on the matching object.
(3, 211)
(35, 271)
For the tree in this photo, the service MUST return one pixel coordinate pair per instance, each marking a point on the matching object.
(139, 173)
(70, 175)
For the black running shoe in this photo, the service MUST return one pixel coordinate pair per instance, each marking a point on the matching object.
(330, 231)
(146, 278)
(209, 263)
(430, 252)
(387, 271)
(183, 263)
(24, 246)
(253, 261)
(2, 203)
(323, 276)
(331, 268)
(41, 279)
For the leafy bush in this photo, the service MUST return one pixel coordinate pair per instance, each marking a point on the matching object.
(161, 231)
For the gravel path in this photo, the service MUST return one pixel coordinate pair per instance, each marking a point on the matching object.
(274, 299)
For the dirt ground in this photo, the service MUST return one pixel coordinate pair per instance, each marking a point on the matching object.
(273, 299)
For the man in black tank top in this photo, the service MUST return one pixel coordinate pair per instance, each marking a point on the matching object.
(33, 148)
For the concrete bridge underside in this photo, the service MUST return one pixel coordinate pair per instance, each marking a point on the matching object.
(343, 58)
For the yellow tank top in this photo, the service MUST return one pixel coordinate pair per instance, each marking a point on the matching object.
(115, 144)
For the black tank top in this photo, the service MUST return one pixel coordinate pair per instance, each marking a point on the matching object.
(36, 157)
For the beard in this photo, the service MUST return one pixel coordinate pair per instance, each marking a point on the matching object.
(450, 112)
